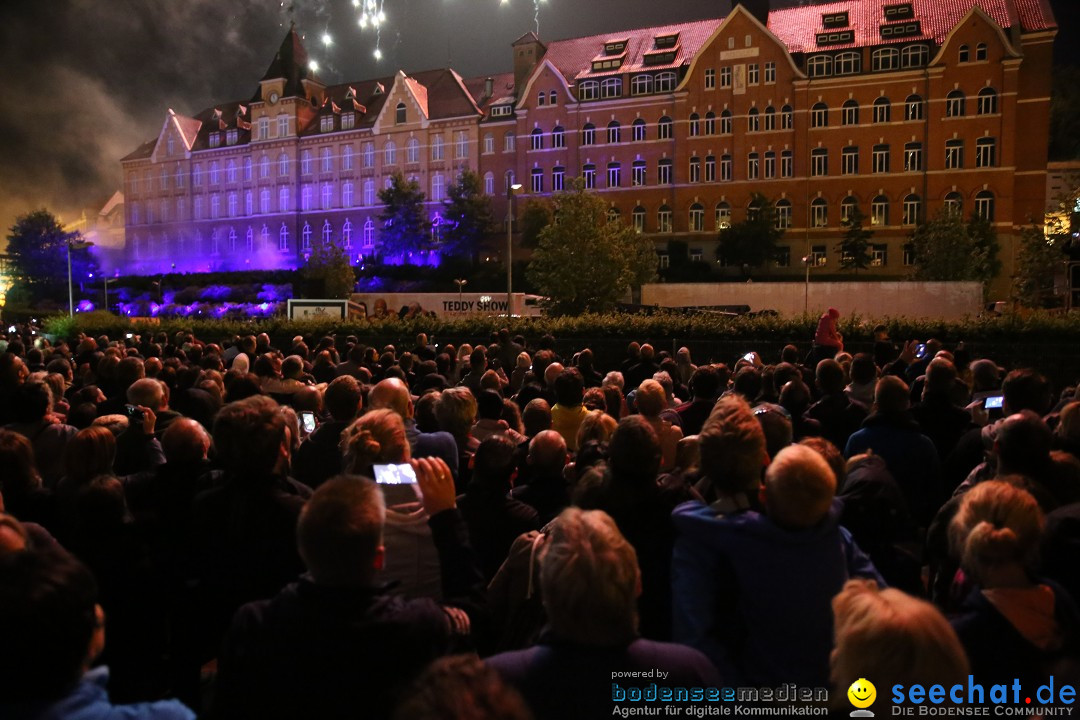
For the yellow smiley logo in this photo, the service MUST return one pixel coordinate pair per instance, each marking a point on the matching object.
(862, 693)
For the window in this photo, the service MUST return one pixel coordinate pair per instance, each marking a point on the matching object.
(879, 210)
(725, 77)
(283, 199)
(552, 98)
(913, 108)
(695, 125)
(558, 137)
(305, 237)
(536, 141)
(984, 205)
(787, 164)
(663, 219)
(400, 114)
(283, 238)
(850, 113)
(663, 170)
(787, 118)
(346, 234)
(985, 152)
(954, 104)
(725, 122)
(915, 56)
(305, 163)
(215, 208)
(348, 121)
(641, 85)
(489, 183)
(508, 141)
(885, 59)
(753, 166)
(327, 160)
(637, 178)
(849, 160)
(695, 169)
(710, 78)
(818, 256)
(215, 139)
(264, 200)
(819, 115)
(347, 158)
(725, 168)
(264, 237)
(438, 152)
(882, 110)
(215, 175)
(489, 143)
(819, 162)
(665, 81)
(437, 185)
(783, 214)
(264, 128)
(909, 254)
(963, 54)
(508, 178)
(369, 192)
(412, 151)
(327, 196)
(347, 194)
(588, 134)
(613, 214)
(390, 153)
(588, 174)
(753, 120)
(847, 63)
(988, 101)
(879, 255)
(541, 99)
(697, 218)
(368, 238)
(710, 168)
(614, 132)
(638, 217)
(537, 177)
(819, 66)
(753, 74)
(664, 128)
(881, 158)
(913, 157)
(305, 198)
(163, 182)
(663, 260)
(819, 213)
(954, 204)
(249, 204)
(770, 73)
(639, 130)
(249, 239)
(612, 87)
(369, 155)
(326, 123)
(283, 125)
(954, 154)
(980, 52)
(558, 178)
(847, 208)
(912, 210)
(723, 215)
(770, 118)
(770, 164)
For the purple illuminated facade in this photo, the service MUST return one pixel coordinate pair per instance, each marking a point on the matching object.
(255, 184)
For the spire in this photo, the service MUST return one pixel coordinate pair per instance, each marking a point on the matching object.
(291, 64)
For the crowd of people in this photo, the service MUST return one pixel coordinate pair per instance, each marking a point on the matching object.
(330, 529)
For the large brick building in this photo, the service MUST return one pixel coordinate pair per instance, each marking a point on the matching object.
(902, 107)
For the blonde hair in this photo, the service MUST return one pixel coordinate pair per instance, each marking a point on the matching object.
(650, 399)
(597, 425)
(892, 637)
(732, 446)
(997, 524)
(1069, 422)
(589, 579)
(456, 411)
(376, 437)
(799, 487)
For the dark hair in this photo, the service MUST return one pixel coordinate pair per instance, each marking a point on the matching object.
(748, 383)
(343, 397)
(31, 402)
(489, 405)
(863, 369)
(569, 387)
(493, 463)
(247, 436)
(1026, 389)
(705, 383)
(830, 377)
(461, 687)
(47, 619)
(634, 450)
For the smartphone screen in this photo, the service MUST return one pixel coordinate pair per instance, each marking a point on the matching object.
(993, 402)
(920, 350)
(307, 422)
(748, 356)
(402, 474)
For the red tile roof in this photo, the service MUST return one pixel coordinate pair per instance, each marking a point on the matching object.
(797, 27)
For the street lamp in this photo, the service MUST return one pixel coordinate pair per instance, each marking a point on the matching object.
(807, 259)
(73, 245)
(512, 190)
(461, 282)
(107, 278)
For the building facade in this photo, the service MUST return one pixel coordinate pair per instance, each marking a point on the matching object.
(903, 108)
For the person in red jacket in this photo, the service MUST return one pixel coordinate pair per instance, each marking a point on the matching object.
(827, 339)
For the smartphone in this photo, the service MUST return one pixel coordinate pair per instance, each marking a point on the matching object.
(307, 422)
(749, 356)
(133, 413)
(920, 350)
(993, 402)
(398, 474)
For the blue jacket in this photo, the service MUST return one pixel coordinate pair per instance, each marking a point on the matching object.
(89, 700)
(756, 598)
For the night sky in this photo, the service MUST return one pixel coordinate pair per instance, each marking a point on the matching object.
(87, 81)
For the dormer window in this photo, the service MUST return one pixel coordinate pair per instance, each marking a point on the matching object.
(615, 47)
(379, 88)
(835, 20)
(231, 137)
(326, 123)
(660, 58)
(400, 114)
(348, 121)
(899, 12)
(215, 139)
(500, 110)
(666, 41)
(350, 94)
(607, 64)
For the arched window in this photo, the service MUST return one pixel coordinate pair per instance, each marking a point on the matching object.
(558, 137)
(879, 210)
(588, 134)
(695, 125)
(984, 205)
(710, 123)
(537, 139)
(589, 90)
(663, 219)
(368, 239)
(847, 63)
(725, 122)
(249, 240)
(614, 132)
(819, 115)
(782, 210)
(305, 237)
(639, 130)
(723, 215)
(639, 219)
(787, 118)
(346, 234)
(912, 210)
(850, 112)
(885, 59)
(697, 217)
(641, 84)
(770, 118)
(412, 151)
(666, 81)
(611, 87)
(882, 110)
(400, 114)
(283, 238)
(913, 108)
(489, 183)
(847, 207)
(963, 54)
(954, 104)
(613, 214)
(914, 56)
(819, 213)
(327, 232)
(954, 204)
(980, 52)
(753, 209)
(819, 66)
(988, 101)
(390, 153)
(753, 120)
(664, 128)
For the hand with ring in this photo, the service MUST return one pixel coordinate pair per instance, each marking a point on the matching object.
(436, 485)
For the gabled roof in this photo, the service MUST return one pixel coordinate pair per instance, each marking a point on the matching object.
(420, 93)
(573, 57)
(143, 151)
(290, 63)
(112, 203)
(188, 127)
(502, 89)
(798, 27)
(233, 115)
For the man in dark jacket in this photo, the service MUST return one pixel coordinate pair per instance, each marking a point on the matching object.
(940, 420)
(546, 492)
(334, 644)
(705, 386)
(838, 414)
(319, 456)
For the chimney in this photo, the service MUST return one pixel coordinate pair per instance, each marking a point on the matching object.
(758, 8)
(489, 87)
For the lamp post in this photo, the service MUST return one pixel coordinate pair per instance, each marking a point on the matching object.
(461, 282)
(107, 293)
(512, 190)
(73, 245)
(807, 259)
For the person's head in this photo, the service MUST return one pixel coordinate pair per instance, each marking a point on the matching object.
(940, 377)
(547, 453)
(985, 375)
(748, 383)
(292, 367)
(633, 350)
(185, 442)
(732, 446)
(426, 420)
(795, 397)
(790, 354)
(461, 687)
(20, 475)
(31, 402)
(832, 456)
(799, 488)
(705, 383)
(569, 388)
(997, 528)
(1068, 427)
(376, 437)
(536, 416)
(834, 313)
(493, 464)
(393, 394)
(147, 392)
(775, 422)
(830, 377)
(891, 395)
(339, 533)
(523, 361)
(650, 399)
(1026, 389)
(614, 379)
(478, 360)
(250, 437)
(634, 452)
(1022, 444)
(89, 453)
(597, 426)
(128, 370)
(456, 411)
(594, 399)
(551, 373)
(863, 370)
(892, 638)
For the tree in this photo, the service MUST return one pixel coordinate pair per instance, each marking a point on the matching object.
(535, 216)
(467, 214)
(751, 243)
(855, 247)
(327, 272)
(37, 244)
(947, 248)
(1039, 260)
(406, 229)
(585, 262)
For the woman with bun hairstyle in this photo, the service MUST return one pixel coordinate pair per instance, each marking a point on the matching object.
(378, 438)
(1012, 624)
